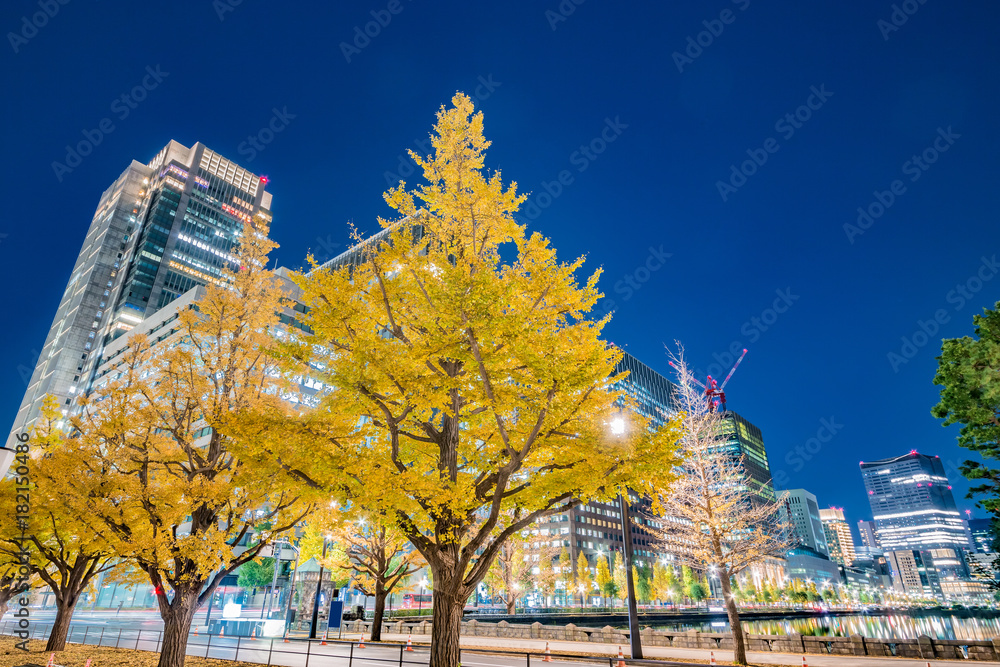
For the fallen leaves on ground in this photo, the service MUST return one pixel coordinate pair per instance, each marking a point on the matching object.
(76, 655)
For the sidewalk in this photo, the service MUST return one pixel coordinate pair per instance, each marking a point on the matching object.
(813, 659)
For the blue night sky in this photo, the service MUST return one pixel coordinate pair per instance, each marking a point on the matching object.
(818, 108)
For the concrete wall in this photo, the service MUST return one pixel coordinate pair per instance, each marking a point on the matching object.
(922, 648)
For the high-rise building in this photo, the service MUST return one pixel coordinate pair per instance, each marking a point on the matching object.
(746, 443)
(839, 540)
(869, 539)
(804, 520)
(160, 229)
(982, 535)
(917, 522)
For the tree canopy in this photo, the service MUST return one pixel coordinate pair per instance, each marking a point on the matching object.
(969, 376)
(486, 390)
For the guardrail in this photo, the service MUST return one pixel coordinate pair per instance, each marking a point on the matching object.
(319, 653)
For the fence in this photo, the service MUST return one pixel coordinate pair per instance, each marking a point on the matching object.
(330, 653)
(299, 652)
(922, 647)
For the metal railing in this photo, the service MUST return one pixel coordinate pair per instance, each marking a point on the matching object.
(275, 651)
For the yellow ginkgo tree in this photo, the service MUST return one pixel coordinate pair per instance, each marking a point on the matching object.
(169, 464)
(466, 347)
(375, 554)
(58, 548)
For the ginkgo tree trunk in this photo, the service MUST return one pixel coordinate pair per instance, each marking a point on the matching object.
(486, 389)
(714, 523)
(170, 468)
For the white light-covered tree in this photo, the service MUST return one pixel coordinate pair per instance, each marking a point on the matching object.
(715, 522)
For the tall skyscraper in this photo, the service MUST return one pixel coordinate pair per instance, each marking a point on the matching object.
(917, 522)
(159, 230)
(839, 540)
(868, 537)
(746, 442)
(804, 519)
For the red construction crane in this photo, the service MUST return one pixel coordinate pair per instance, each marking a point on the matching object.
(715, 393)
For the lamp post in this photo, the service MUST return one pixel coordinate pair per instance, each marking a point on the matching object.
(420, 598)
(291, 589)
(319, 587)
(274, 579)
(618, 427)
(635, 641)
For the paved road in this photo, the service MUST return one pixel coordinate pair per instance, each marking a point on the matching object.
(662, 652)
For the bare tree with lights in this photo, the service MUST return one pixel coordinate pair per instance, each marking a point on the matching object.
(714, 524)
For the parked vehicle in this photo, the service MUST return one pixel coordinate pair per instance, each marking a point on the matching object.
(418, 601)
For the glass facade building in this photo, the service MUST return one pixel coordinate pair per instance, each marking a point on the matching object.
(912, 503)
(653, 393)
(982, 535)
(195, 208)
(161, 229)
(917, 522)
(746, 443)
(838, 536)
(803, 519)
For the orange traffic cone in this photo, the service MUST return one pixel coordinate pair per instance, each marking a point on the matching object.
(196, 631)
(621, 658)
(88, 663)
(52, 660)
(222, 631)
(253, 632)
(804, 663)
(409, 643)
(712, 662)
(361, 644)
(548, 656)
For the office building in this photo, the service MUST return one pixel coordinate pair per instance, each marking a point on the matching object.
(807, 564)
(912, 503)
(982, 535)
(804, 520)
(868, 537)
(873, 561)
(917, 522)
(78, 328)
(746, 443)
(159, 230)
(839, 541)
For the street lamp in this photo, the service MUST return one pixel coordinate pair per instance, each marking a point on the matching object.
(291, 589)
